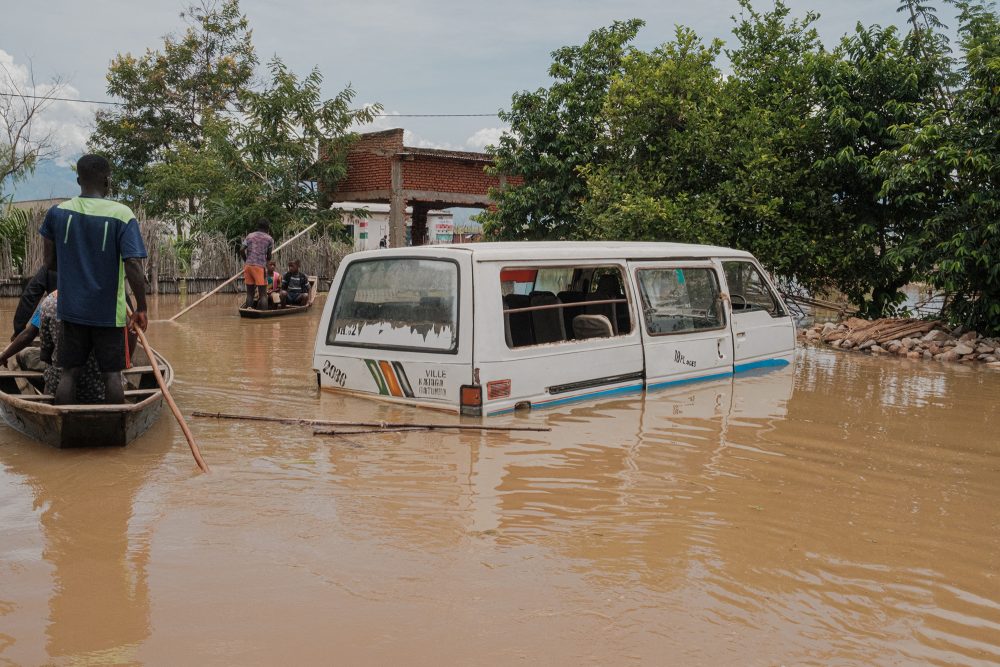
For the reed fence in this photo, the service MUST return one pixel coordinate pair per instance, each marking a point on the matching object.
(197, 264)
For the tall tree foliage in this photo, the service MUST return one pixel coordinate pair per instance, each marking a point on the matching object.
(953, 157)
(862, 168)
(775, 204)
(554, 132)
(876, 81)
(199, 141)
(170, 95)
(263, 162)
(666, 156)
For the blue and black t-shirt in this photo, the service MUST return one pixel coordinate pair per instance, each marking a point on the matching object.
(92, 237)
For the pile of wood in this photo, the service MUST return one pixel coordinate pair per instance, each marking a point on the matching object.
(910, 338)
(881, 331)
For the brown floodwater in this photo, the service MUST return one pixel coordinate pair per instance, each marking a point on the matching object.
(843, 511)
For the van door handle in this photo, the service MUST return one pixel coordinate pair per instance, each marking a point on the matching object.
(718, 347)
(741, 334)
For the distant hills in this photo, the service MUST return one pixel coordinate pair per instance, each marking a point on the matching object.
(51, 179)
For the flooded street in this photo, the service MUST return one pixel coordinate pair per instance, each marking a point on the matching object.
(843, 511)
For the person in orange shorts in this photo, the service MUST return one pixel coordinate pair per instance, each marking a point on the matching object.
(255, 252)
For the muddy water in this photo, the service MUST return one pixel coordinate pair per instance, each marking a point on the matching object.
(841, 512)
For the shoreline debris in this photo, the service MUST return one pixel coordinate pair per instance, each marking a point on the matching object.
(909, 338)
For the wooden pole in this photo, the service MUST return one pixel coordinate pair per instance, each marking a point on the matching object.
(334, 432)
(239, 274)
(170, 401)
(382, 425)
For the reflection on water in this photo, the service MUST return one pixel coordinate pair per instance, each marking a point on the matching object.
(841, 511)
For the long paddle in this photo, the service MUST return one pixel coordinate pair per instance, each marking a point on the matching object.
(170, 401)
(239, 274)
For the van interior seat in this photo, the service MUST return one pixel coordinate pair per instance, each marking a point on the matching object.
(518, 328)
(569, 312)
(592, 326)
(607, 288)
(547, 324)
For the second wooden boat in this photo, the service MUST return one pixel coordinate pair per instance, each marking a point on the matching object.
(254, 314)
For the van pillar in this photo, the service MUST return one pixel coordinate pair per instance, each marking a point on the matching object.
(397, 206)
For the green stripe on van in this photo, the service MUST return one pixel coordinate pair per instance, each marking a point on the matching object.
(376, 372)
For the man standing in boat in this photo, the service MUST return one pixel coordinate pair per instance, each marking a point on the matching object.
(94, 244)
(255, 252)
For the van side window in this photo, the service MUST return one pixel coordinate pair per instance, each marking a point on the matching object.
(680, 300)
(563, 304)
(748, 291)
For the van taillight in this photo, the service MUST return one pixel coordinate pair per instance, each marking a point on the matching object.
(472, 400)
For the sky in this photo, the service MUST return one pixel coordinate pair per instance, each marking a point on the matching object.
(412, 56)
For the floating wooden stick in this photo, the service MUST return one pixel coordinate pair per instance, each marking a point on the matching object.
(406, 429)
(378, 425)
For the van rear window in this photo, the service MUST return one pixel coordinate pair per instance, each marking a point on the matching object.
(405, 303)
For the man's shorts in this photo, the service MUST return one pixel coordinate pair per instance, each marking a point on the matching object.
(297, 298)
(253, 275)
(77, 340)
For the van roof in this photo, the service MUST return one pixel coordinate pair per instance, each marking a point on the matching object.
(569, 250)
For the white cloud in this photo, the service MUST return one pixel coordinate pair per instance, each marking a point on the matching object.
(487, 136)
(66, 122)
(478, 141)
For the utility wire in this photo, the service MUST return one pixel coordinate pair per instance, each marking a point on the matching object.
(378, 115)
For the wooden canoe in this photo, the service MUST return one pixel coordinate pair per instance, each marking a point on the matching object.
(101, 425)
(254, 314)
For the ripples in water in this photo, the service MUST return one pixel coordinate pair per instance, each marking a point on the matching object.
(841, 511)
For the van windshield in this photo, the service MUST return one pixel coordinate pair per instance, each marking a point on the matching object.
(404, 303)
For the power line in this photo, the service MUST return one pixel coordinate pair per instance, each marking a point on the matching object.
(378, 115)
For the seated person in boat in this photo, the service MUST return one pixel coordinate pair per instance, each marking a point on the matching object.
(294, 286)
(273, 285)
(44, 325)
(42, 283)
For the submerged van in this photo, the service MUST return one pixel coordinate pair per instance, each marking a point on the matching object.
(487, 328)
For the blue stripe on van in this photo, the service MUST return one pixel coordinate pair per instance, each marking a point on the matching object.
(700, 378)
(762, 363)
(573, 399)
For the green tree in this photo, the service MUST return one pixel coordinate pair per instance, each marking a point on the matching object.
(877, 82)
(265, 161)
(169, 95)
(554, 132)
(664, 150)
(953, 156)
(776, 205)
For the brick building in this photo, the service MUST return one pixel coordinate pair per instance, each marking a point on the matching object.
(381, 169)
